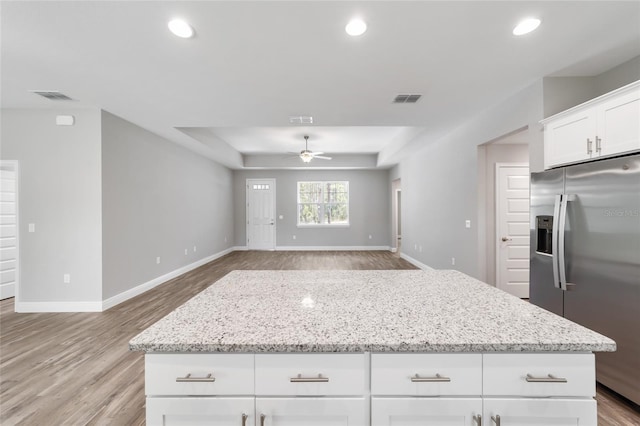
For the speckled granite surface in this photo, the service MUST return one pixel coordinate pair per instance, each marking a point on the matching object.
(357, 311)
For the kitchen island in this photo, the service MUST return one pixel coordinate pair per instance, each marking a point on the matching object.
(300, 348)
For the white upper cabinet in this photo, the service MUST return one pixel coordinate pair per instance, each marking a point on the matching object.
(606, 126)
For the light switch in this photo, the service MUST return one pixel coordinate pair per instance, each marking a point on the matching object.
(32, 227)
(467, 224)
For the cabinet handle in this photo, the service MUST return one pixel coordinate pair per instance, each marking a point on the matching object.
(478, 419)
(301, 379)
(262, 417)
(549, 379)
(589, 145)
(437, 378)
(188, 378)
(496, 419)
(244, 419)
(598, 144)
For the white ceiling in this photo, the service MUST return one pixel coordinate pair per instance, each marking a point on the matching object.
(231, 89)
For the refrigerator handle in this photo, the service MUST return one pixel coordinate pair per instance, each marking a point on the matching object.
(561, 231)
(554, 240)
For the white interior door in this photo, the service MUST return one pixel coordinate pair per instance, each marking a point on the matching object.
(8, 229)
(512, 228)
(261, 214)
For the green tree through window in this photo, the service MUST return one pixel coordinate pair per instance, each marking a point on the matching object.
(323, 203)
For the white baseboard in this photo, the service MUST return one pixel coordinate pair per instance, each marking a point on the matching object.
(332, 248)
(416, 262)
(7, 291)
(135, 291)
(240, 248)
(58, 307)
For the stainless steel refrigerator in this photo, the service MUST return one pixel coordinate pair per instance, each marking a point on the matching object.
(585, 257)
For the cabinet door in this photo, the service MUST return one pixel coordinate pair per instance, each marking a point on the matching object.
(311, 412)
(570, 139)
(426, 411)
(619, 124)
(548, 412)
(200, 411)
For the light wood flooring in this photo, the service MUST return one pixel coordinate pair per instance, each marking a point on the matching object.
(76, 369)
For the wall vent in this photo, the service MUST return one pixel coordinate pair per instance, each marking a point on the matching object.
(406, 99)
(53, 95)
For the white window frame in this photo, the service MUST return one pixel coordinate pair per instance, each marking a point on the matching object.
(323, 225)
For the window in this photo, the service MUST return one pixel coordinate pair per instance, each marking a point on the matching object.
(323, 203)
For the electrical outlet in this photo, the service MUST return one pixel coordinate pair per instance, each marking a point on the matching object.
(467, 223)
(32, 227)
(195, 249)
(158, 260)
(370, 237)
(186, 252)
(294, 237)
(66, 278)
(420, 249)
(225, 239)
(453, 260)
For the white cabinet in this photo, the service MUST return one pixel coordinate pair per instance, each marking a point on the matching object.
(196, 411)
(311, 411)
(400, 389)
(606, 126)
(426, 411)
(536, 411)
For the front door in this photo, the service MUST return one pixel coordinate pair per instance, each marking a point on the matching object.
(261, 214)
(8, 229)
(512, 229)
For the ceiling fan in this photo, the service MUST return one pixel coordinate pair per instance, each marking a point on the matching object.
(307, 155)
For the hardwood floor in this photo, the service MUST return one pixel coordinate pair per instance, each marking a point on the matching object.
(76, 369)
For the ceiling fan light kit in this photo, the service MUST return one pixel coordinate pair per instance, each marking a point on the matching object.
(306, 155)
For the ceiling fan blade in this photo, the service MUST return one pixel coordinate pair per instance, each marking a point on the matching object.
(317, 153)
(321, 157)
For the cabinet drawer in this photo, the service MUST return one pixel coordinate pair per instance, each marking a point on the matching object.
(395, 374)
(529, 374)
(310, 374)
(179, 374)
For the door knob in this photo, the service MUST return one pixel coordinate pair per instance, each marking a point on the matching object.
(504, 239)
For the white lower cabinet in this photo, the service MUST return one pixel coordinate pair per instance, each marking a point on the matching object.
(494, 389)
(539, 412)
(426, 411)
(196, 411)
(311, 412)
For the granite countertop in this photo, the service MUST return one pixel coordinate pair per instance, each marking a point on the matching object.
(357, 311)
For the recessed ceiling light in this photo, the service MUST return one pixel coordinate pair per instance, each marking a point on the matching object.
(526, 26)
(181, 28)
(356, 27)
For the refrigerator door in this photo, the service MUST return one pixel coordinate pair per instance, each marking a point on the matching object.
(545, 187)
(603, 263)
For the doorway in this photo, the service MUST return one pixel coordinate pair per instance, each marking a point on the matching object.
(8, 229)
(261, 214)
(512, 228)
(396, 216)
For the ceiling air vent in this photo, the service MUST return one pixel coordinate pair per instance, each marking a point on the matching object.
(53, 95)
(406, 99)
(300, 119)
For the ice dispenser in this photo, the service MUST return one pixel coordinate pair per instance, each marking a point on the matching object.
(544, 228)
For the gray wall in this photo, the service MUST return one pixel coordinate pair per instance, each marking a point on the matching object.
(158, 200)
(369, 207)
(439, 183)
(59, 186)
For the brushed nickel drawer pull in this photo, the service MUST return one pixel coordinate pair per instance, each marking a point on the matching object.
(437, 378)
(262, 417)
(598, 144)
(478, 419)
(301, 379)
(244, 419)
(549, 379)
(589, 145)
(496, 420)
(188, 378)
